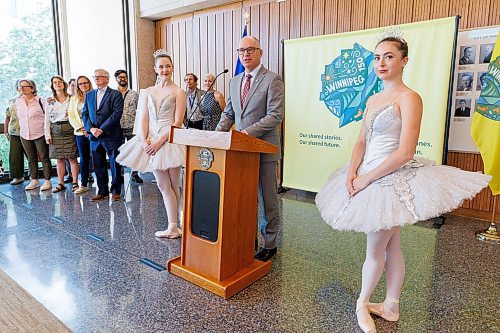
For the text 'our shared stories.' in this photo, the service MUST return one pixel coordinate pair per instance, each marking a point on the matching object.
(320, 140)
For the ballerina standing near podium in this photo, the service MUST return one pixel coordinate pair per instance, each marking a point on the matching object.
(384, 187)
(160, 107)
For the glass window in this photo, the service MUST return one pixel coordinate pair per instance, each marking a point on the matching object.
(27, 50)
(95, 38)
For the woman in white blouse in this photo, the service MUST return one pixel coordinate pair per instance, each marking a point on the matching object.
(59, 133)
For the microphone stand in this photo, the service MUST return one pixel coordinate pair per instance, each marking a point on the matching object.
(203, 97)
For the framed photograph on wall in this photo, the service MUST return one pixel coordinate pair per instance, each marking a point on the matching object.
(485, 53)
(473, 55)
(468, 53)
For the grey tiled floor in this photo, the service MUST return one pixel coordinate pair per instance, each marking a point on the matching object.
(81, 260)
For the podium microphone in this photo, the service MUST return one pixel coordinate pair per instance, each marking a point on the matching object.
(202, 97)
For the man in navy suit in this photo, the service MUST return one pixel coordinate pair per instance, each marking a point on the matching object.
(101, 114)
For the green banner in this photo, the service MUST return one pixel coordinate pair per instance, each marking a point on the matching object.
(328, 80)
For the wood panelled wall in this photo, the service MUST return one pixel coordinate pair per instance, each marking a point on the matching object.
(205, 41)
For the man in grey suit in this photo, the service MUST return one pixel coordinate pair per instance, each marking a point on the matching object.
(255, 105)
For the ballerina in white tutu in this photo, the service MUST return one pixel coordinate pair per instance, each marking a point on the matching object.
(159, 108)
(384, 187)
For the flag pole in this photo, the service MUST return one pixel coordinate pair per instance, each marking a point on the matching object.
(491, 234)
(238, 69)
(246, 17)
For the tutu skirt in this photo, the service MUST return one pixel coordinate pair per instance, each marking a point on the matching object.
(418, 191)
(132, 155)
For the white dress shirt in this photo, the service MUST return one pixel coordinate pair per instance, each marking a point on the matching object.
(100, 95)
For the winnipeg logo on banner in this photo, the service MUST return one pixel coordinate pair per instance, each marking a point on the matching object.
(347, 83)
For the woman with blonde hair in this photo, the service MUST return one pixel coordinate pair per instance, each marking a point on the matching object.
(213, 104)
(83, 85)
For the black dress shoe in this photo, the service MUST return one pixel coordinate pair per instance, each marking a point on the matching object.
(266, 254)
(136, 178)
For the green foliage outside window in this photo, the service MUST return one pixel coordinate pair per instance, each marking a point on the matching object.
(28, 52)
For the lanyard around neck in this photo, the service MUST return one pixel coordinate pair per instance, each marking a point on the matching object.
(192, 99)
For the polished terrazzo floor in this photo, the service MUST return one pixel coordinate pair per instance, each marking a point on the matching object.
(84, 262)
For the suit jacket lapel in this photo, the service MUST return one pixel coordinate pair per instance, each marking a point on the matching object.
(198, 95)
(255, 84)
(91, 99)
(237, 82)
(93, 95)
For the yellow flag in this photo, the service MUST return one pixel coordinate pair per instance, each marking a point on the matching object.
(485, 128)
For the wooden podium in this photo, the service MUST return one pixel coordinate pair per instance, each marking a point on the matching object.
(220, 210)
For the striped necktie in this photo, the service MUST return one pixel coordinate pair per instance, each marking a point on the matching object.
(246, 89)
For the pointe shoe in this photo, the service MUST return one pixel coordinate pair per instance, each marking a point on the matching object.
(367, 326)
(168, 234)
(380, 310)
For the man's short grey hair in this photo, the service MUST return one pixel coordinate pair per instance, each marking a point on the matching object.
(102, 70)
(254, 38)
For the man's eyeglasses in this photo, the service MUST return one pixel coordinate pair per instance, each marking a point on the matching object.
(25, 87)
(249, 50)
(121, 77)
(99, 76)
(83, 83)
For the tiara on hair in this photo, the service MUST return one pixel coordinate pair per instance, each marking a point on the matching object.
(391, 32)
(160, 52)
